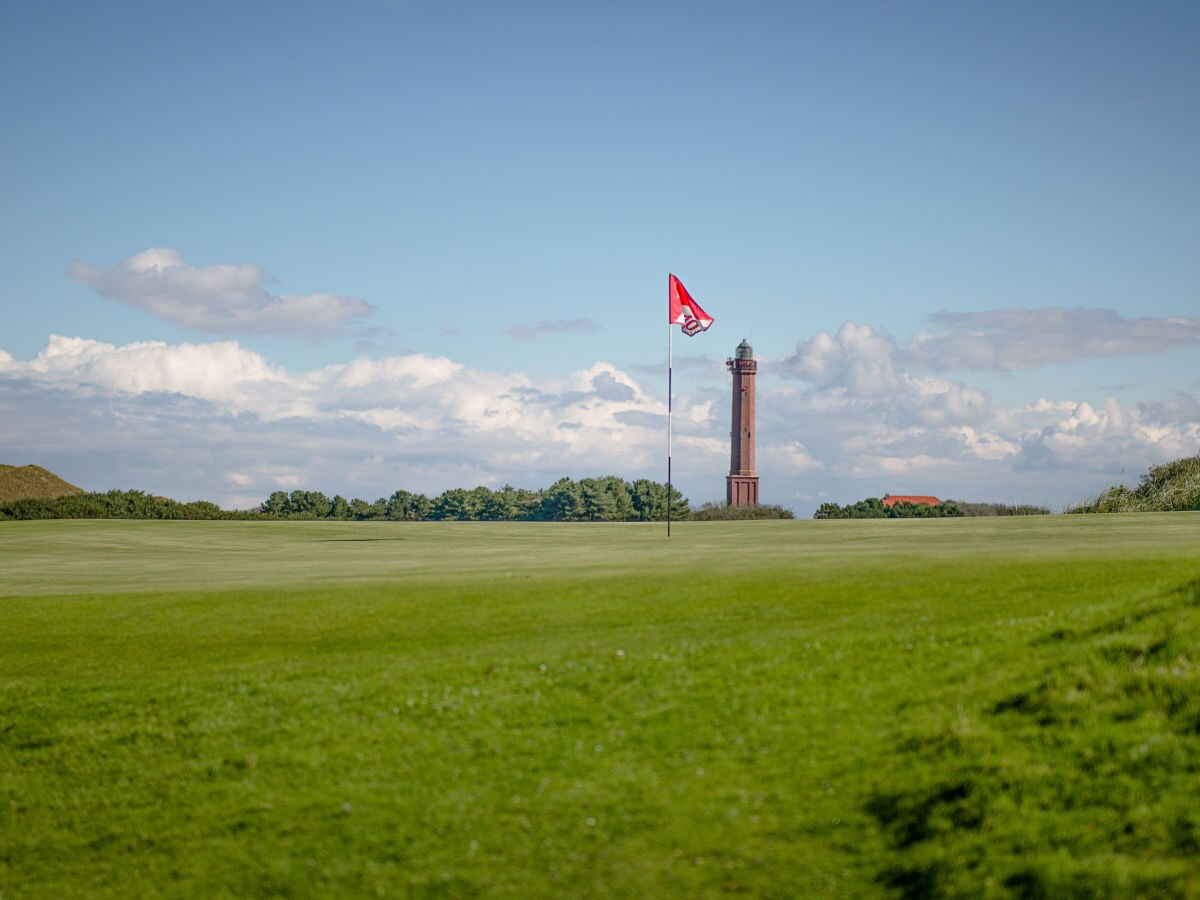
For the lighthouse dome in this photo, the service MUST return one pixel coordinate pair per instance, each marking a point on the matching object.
(744, 350)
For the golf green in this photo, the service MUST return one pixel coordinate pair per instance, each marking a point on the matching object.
(986, 707)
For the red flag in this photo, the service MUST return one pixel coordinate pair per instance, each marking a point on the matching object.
(685, 311)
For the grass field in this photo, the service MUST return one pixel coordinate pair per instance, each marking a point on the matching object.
(980, 707)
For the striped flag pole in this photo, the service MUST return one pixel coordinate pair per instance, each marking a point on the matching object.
(684, 311)
(670, 335)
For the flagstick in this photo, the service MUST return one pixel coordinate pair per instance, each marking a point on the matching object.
(670, 333)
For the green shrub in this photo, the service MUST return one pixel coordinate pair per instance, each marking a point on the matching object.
(721, 512)
(607, 499)
(115, 505)
(874, 508)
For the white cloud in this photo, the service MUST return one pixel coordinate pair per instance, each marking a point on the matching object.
(790, 458)
(859, 359)
(986, 445)
(221, 299)
(860, 366)
(222, 372)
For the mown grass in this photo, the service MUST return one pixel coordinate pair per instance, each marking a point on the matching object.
(999, 707)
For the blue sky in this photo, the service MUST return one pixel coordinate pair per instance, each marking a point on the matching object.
(369, 245)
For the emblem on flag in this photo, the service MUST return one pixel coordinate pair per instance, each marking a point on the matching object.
(685, 311)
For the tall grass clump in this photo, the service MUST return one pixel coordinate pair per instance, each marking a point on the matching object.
(999, 509)
(1171, 487)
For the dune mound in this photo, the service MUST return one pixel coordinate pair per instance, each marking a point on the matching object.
(33, 482)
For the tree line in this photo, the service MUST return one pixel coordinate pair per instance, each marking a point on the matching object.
(607, 499)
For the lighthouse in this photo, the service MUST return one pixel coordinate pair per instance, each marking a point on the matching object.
(741, 485)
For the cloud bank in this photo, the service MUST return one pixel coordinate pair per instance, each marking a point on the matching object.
(846, 415)
(221, 299)
(222, 415)
(869, 410)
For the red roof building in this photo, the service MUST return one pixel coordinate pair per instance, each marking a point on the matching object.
(890, 500)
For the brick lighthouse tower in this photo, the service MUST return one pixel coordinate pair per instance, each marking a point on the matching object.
(741, 486)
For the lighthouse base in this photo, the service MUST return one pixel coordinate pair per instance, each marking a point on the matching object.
(741, 490)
